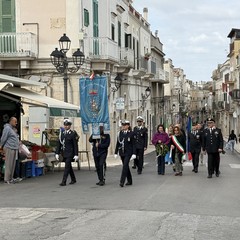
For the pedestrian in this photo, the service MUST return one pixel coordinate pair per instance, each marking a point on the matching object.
(178, 146)
(195, 145)
(232, 139)
(213, 145)
(141, 134)
(168, 158)
(10, 144)
(126, 148)
(68, 147)
(161, 140)
(100, 151)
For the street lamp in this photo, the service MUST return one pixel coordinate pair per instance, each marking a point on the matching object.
(60, 61)
(145, 96)
(117, 82)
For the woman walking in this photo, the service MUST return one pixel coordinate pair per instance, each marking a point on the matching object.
(178, 146)
(161, 141)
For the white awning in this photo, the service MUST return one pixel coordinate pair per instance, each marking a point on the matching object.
(57, 108)
(5, 85)
(21, 81)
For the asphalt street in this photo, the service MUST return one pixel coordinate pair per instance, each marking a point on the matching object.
(155, 207)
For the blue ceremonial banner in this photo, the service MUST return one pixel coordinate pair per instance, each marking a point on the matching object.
(94, 104)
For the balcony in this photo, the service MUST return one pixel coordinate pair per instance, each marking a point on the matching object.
(235, 94)
(161, 76)
(101, 49)
(18, 46)
(126, 58)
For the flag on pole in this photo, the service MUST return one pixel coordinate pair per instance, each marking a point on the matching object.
(94, 105)
(92, 76)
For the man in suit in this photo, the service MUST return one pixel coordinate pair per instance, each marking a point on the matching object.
(195, 144)
(68, 147)
(100, 151)
(213, 145)
(141, 135)
(126, 148)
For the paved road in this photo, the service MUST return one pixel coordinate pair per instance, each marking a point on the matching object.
(154, 207)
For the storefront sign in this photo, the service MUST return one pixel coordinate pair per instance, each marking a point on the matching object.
(120, 103)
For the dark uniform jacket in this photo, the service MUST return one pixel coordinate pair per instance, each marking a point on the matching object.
(125, 145)
(212, 141)
(195, 141)
(103, 144)
(141, 136)
(67, 144)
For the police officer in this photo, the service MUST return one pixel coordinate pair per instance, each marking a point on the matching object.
(126, 148)
(195, 144)
(141, 134)
(68, 147)
(100, 151)
(213, 145)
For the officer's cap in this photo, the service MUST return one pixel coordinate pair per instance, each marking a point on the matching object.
(210, 120)
(140, 118)
(67, 122)
(125, 122)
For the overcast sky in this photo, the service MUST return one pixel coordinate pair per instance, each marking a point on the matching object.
(193, 32)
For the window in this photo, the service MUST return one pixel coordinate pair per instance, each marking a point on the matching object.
(86, 18)
(95, 18)
(113, 32)
(7, 16)
(128, 40)
(119, 34)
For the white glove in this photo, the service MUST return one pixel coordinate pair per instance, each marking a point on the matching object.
(133, 157)
(57, 157)
(115, 156)
(75, 158)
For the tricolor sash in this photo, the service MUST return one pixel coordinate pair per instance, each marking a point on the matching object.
(177, 144)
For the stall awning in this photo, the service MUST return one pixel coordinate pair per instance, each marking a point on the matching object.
(57, 108)
(5, 85)
(20, 81)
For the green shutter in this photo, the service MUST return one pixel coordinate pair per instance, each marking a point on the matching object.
(86, 18)
(95, 28)
(7, 16)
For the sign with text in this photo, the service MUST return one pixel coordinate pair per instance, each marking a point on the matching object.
(120, 103)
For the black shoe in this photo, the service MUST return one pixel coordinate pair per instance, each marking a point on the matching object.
(62, 184)
(139, 172)
(133, 166)
(72, 182)
(195, 171)
(97, 183)
(217, 174)
(101, 183)
(128, 184)
(209, 176)
(121, 185)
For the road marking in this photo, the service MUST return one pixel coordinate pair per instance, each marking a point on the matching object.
(234, 165)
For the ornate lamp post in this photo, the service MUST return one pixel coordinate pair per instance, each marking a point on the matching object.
(61, 63)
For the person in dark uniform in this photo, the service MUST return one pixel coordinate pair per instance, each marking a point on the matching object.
(213, 145)
(100, 151)
(141, 134)
(195, 145)
(68, 147)
(126, 148)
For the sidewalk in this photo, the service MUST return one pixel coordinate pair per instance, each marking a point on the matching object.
(236, 146)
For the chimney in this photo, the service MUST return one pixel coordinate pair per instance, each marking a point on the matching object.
(156, 33)
(145, 13)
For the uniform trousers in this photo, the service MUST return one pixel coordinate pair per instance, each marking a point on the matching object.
(139, 159)
(99, 163)
(126, 170)
(213, 163)
(195, 160)
(10, 162)
(68, 170)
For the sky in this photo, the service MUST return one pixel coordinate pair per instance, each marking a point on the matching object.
(193, 32)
